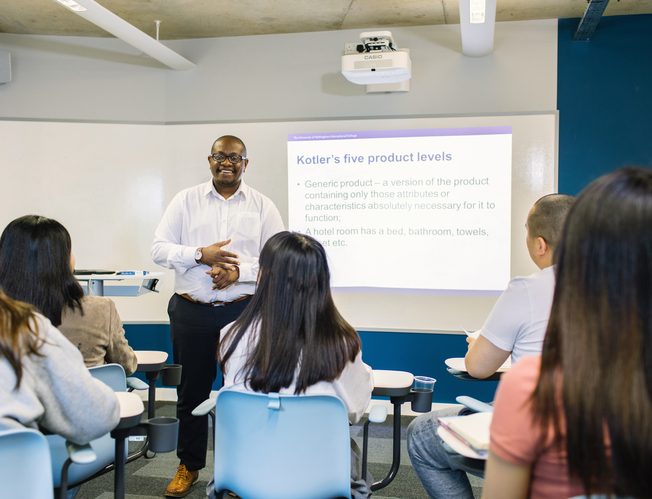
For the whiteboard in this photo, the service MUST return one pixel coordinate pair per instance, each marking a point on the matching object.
(109, 184)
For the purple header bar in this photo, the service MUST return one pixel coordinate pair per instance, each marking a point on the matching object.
(417, 132)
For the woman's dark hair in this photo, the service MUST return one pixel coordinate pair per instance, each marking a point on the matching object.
(19, 335)
(35, 266)
(295, 318)
(596, 366)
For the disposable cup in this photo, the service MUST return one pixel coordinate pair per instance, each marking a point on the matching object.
(423, 384)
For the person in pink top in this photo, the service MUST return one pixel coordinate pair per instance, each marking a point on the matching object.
(578, 419)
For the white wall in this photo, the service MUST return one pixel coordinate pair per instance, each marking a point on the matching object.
(81, 79)
(276, 77)
(297, 76)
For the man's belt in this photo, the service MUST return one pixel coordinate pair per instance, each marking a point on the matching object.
(216, 303)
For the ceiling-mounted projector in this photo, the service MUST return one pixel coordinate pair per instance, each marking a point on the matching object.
(376, 60)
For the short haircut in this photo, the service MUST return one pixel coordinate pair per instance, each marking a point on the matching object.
(232, 138)
(546, 219)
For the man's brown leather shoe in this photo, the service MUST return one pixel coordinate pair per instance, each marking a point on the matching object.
(180, 485)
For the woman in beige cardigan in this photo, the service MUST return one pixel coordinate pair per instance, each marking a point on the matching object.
(36, 267)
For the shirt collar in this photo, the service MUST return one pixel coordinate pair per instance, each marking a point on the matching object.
(243, 190)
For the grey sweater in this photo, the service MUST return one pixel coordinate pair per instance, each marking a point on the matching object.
(57, 393)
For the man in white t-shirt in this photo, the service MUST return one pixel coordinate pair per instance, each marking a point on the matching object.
(516, 326)
(518, 321)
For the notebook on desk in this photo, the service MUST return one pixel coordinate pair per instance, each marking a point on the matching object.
(458, 446)
(473, 430)
(457, 364)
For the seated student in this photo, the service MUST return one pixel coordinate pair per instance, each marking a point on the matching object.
(516, 326)
(578, 418)
(45, 384)
(36, 266)
(517, 322)
(291, 338)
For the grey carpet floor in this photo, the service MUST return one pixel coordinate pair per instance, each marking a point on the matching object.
(147, 478)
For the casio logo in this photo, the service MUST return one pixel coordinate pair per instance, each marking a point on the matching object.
(367, 57)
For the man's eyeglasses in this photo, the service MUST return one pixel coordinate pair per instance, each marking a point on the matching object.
(234, 158)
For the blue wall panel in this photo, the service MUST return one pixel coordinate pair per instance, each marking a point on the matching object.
(417, 353)
(604, 97)
(424, 354)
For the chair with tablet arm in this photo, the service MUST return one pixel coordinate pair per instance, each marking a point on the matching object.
(26, 472)
(281, 446)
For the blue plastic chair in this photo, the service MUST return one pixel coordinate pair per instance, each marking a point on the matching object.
(25, 472)
(473, 404)
(271, 446)
(112, 375)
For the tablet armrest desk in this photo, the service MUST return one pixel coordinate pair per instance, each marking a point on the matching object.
(131, 408)
(151, 362)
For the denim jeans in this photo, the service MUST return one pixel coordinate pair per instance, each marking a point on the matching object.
(441, 470)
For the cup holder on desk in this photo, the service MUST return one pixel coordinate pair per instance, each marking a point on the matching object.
(162, 433)
(421, 393)
(171, 374)
(421, 400)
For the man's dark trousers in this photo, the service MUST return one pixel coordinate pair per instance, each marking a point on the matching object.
(195, 330)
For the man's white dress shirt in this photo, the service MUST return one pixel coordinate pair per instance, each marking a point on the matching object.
(199, 216)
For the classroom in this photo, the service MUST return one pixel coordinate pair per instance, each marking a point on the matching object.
(100, 136)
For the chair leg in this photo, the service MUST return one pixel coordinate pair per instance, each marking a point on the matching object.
(151, 393)
(396, 446)
(63, 488)
(119, 474)
(365, 446)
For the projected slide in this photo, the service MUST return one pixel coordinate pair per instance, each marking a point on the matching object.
(409, 209)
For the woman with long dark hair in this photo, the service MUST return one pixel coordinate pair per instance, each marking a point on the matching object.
(44, 381)
(578, 419)
(291, 338)
(36, 266)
